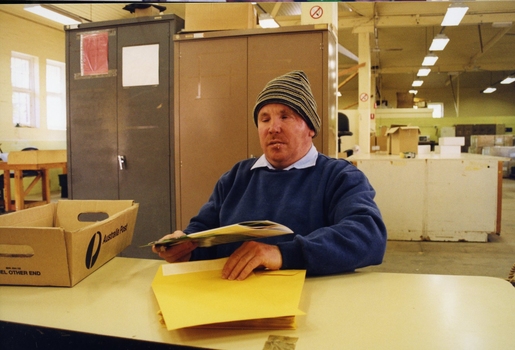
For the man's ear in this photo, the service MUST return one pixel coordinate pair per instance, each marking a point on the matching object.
(311, 133)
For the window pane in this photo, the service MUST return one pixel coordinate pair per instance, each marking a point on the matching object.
(21, 108)
(56, 95)
(20, 73)
(53, 79)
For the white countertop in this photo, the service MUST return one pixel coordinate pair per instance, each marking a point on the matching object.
(430, 156)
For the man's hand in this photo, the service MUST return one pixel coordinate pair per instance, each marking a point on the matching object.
(176, 253)
(250, 256)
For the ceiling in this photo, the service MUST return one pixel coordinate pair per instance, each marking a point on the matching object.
(477, 55)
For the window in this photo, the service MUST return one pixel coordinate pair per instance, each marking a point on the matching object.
(24, 80)
(55, 95)
(437, 109)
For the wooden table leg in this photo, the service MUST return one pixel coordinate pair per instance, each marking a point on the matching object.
(7, 190)
(19, 193)
(45, 185)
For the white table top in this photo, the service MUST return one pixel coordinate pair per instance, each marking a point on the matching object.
(430, 156)
(354, 311)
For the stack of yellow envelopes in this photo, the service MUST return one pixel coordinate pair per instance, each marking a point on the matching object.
(193, 294)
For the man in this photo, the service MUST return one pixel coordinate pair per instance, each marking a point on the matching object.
(328, 203)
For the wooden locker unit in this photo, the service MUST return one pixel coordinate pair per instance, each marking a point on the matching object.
(120, 132)
(218, 77)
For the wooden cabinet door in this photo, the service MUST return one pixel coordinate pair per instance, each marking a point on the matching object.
(272, 55)
(212, 118)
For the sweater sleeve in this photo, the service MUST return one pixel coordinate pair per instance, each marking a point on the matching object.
(354, 237)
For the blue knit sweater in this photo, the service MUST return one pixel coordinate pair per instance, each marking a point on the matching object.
(330, 208)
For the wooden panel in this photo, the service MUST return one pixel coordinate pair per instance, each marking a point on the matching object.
(290, 51)
(212, 117)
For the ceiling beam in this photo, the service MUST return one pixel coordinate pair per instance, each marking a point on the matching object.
(487, 47)
(422, 20)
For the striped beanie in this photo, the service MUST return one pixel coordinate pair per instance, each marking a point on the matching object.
(293, 90)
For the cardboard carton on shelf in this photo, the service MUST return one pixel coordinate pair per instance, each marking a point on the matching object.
(401, 139)
(59, 244)
(210, 17)
(479, 141)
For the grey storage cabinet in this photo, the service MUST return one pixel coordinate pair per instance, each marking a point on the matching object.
(218, 76)
(120, 119)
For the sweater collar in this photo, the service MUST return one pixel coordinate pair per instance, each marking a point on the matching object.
(307, 161)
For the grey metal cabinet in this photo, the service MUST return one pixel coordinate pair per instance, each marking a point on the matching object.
(120, 95)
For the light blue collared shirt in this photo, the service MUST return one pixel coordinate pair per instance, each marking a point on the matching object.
(307, 161)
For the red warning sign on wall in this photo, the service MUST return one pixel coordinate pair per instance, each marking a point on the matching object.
(316, 12)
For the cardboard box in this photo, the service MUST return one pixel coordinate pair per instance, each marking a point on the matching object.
(475, 150)
(373, 141)
(37, 157)
(503, 140)
(451, 141)
(402, 139)
(59, 244)
(382, 139)
(482, 140)
(219, 16)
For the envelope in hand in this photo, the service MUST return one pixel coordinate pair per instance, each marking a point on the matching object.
(194, 293)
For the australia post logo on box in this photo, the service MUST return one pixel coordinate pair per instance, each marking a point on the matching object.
(97, 242)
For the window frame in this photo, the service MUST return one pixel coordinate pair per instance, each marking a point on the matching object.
(32, 119)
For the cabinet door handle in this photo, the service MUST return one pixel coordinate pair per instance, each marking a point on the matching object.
(122, 162)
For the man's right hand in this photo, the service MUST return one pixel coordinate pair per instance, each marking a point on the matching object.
(176, 253)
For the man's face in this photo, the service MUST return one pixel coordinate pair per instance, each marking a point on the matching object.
(283, 134)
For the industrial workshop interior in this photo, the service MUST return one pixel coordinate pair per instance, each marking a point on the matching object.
(122, 116)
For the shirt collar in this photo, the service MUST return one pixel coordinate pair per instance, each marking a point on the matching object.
(307, 161)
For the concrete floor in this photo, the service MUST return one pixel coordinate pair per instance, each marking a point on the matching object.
(493, 258)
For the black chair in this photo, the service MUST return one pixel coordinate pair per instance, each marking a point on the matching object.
(343, 130)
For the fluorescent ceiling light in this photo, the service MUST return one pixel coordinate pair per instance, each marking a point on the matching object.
(489, 90)
(430, 60)
(423, 72)
(267, 21)
(439, 42)
(50, 14)
(414, 92)
(454, 15)
(417, 83)
(508, 80)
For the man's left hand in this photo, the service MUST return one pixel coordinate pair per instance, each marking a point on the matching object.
(250, 256)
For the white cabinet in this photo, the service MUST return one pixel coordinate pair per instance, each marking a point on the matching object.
(433, 198)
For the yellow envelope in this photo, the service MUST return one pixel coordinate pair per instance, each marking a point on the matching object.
(194, 293)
